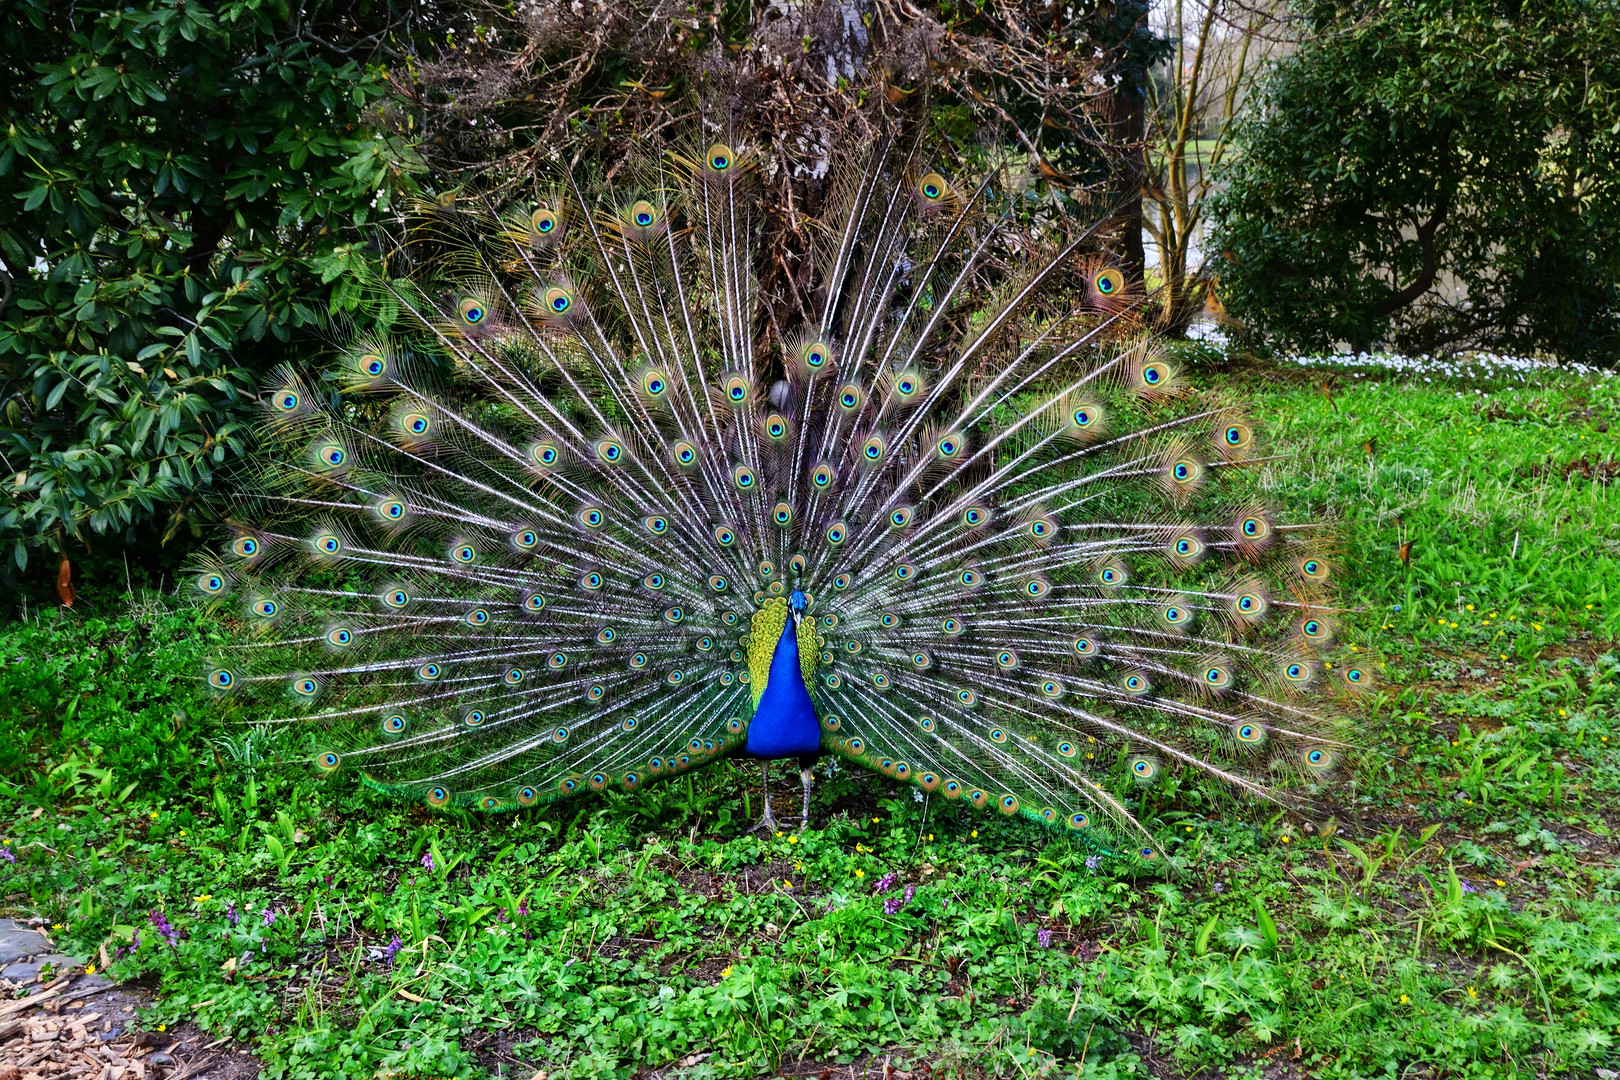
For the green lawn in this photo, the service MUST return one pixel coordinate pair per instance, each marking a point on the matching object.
(1460, 923)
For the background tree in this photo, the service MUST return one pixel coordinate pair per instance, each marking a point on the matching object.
(1219, 49)
(1435, 175)
(179, 184)
(588, 79)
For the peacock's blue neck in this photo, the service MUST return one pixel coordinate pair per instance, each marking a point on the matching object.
(785, 723)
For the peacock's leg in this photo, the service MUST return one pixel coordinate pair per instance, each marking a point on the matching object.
(805, 771)
(768, 823)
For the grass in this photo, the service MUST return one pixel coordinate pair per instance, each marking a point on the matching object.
(1459, 922)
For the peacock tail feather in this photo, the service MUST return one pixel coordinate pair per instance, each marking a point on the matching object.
(546, 539)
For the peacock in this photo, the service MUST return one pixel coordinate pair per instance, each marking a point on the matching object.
(601, 511)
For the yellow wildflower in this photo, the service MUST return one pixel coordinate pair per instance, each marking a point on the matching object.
(1403, 999)
(204, 898)
(89, 969)
(975, 832)
(726, 971)
(859, 872)
(793, 839)
(1500, 882)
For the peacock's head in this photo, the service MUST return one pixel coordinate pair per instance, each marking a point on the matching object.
(797, 602)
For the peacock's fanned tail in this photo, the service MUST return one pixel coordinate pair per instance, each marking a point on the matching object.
(524, 554)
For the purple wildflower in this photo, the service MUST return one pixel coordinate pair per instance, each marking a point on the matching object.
(1467, 888)
(231, 913)
(427, 861)
(894, 903)
(269, 916)
(523, 908)
(5, 853)
(1091, 862)
(392, 950)
(1045, 938)
(161, 925)
(885, 883)
(1219, 886)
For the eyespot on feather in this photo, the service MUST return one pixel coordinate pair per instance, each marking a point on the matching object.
(719, 159)
(558, 303)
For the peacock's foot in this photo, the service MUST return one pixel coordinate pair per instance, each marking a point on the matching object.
(768, 824)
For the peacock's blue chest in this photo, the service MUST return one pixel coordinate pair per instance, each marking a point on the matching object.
(784, 723)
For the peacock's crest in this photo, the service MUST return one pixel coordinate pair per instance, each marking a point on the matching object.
(579, 526)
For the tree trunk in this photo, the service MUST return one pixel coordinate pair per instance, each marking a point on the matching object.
(1125, 124)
